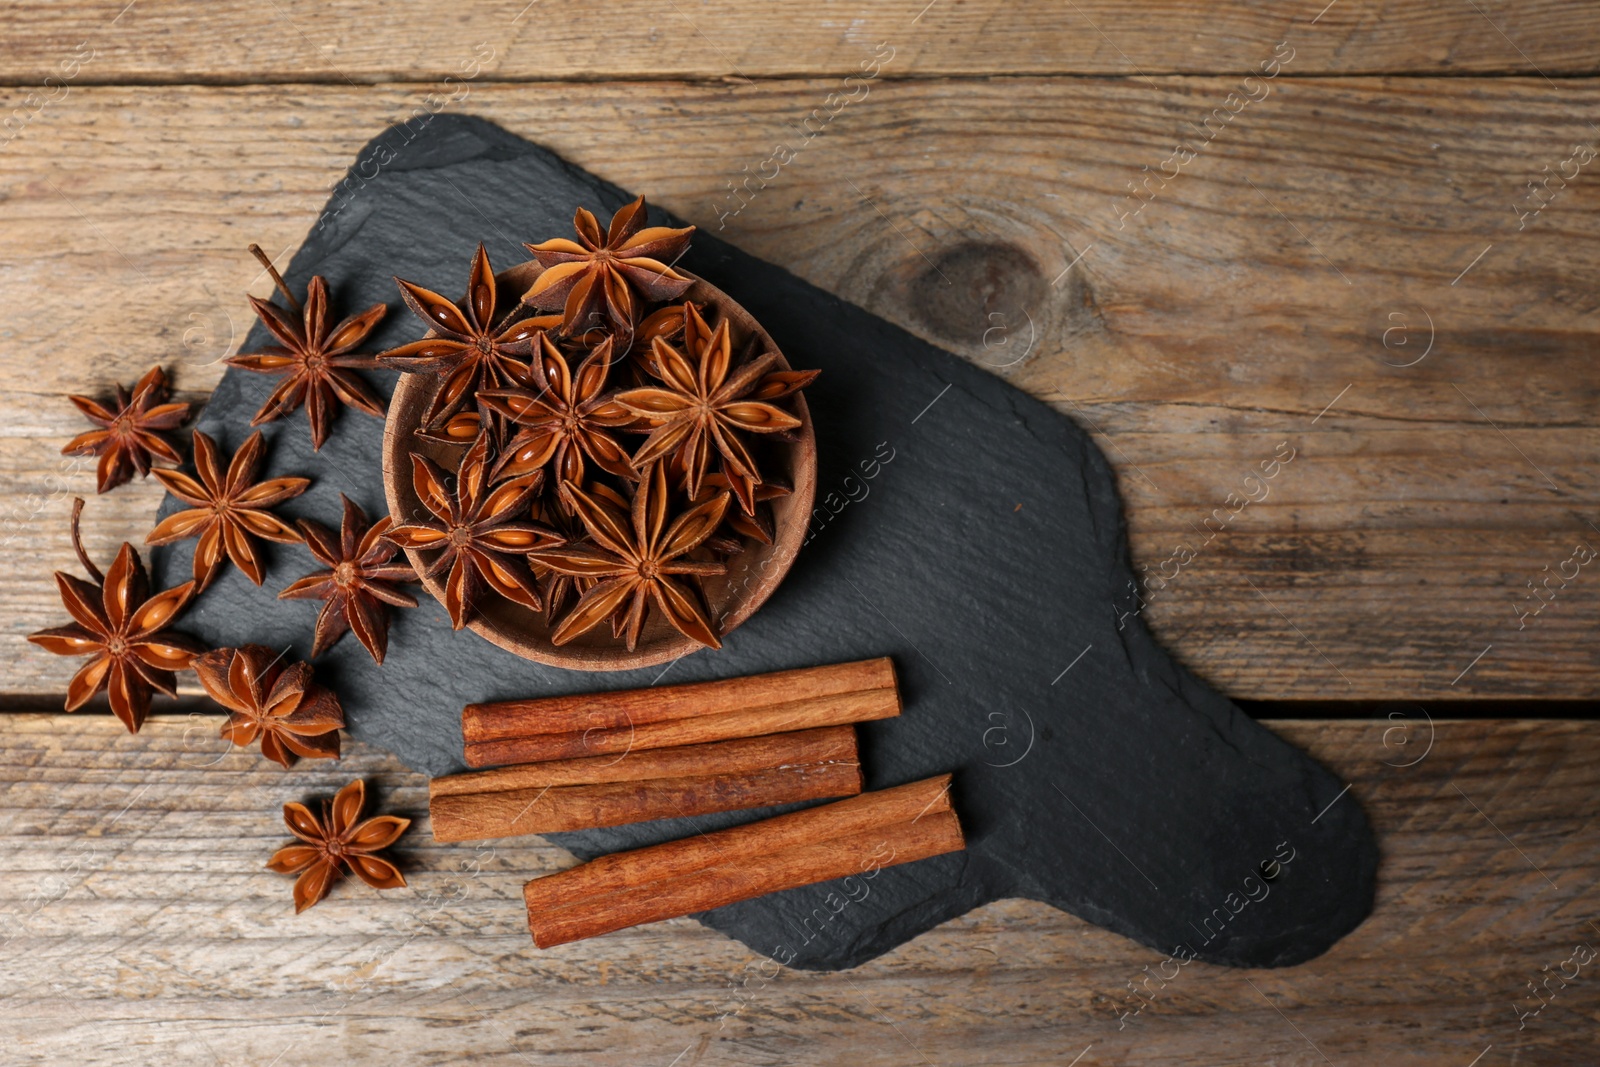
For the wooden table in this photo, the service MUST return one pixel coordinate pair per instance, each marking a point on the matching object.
(1347, 256)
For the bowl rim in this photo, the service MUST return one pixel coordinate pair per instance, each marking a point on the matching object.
(411, 394)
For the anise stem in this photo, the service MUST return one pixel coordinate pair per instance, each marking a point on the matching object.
(77, 544)
(277, 279)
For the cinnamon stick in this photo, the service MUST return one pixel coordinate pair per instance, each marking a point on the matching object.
(864, 833)
(508, 719)
(579, 794)
(808, 713)
(475, 816)
(830, 744)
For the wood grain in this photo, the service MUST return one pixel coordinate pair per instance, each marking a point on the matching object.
(343, 43)
(1255, 301)
(141, 928)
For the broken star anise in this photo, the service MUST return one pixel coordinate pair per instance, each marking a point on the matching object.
(359, 581)
(636, 564)
(478, 530)
(314, 358)
(226, 511)
(130, 430)
(470, 351)
(335, 841)
(566, 420)
(707, 403)
(598, 279)
(291, 714)
(124, 628)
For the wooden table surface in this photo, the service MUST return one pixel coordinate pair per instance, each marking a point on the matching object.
(1381, 245)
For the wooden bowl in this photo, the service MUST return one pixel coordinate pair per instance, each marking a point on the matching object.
(752, 575)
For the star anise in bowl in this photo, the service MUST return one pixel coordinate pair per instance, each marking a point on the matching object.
(667, 549)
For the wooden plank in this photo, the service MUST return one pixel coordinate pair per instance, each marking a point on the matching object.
(1257, 300)
(238, 42)
(140, 927)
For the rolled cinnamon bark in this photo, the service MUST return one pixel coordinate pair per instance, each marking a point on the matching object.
(475, 816)
(829, 744)
(580, 794)
(507, 719)
(809, 713)
(868, 832)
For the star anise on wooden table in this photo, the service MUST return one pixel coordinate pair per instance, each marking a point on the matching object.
(123, 627)
(340, 839)
(637, 564)
(360, 580)
(227, 510)
(706, 403)
(130, 434)
(471, 352)
(566, 420)
(314, 358)
(281, 705)
(599, 280)
(479, 531)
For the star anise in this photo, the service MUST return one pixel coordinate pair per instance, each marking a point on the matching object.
(704, 407)
(130, 430)
(291, 714)
(470, 351)
(336, 841)
(598, 280)
(358, 583)
(636, 566)
(124, 628)
(481, 540)
(226, 511)
(566, 420)
(314, 358)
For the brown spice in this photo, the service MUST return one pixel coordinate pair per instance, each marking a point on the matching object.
(314, 357)
(707, 404)
(123, 627)
(358, 584)
(578, 794)
(637, 565)
(848, 837)
(479, 533)
(472, 349)
(599, 280)
(335, 842)
(130, 434)
(227, 510)
(292, 715)
(567, 419)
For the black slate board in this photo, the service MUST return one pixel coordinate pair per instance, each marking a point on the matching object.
(1092, 772)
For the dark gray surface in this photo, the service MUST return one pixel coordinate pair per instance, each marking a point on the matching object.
(1123, 790)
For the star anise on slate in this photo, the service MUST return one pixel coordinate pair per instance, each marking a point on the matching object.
(359, 581)
(707, 403)
(478, 531)
(470, 352)
(124, 628)
(291, 714)
(130, 430)
(637, 564)
(314, 357)
(599, 279)
(566, 420)
(336, 841)
(226, 511)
